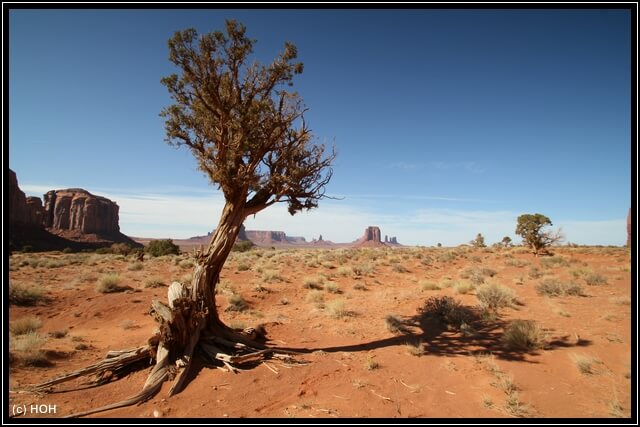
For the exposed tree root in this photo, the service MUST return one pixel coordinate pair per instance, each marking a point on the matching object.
(183, 329)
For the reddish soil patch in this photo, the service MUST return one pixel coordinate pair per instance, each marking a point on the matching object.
(354, 365)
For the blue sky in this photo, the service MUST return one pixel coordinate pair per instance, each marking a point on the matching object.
(447, 123)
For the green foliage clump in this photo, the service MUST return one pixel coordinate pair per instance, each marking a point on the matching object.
(243, 246)
(162, 247)
(530, 228)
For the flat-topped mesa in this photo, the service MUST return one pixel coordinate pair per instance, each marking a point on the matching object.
(260, 237)
(76, 209)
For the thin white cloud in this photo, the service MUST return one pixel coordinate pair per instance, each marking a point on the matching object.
(468, 166)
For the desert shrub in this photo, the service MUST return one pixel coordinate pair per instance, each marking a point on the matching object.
(399, 268)
(370, 364)
(236, 303)
(25, 325)
(446, 256)
(154, 282)
(463, 287)
(581, 272)
(110, 283)
(535, 273)
(103, 251)
(136, 266)
(345, 271)
(24, 295)
(336, 309)
(427, 285)
(243, 266)
(313, 282)
(331, 287)
(394, 324)
(271, 276)
(365, 269)
(162, 247)
(243, 246)
(359, 286)
(493, 296)
(446, 310)
(554, 288)
(415, 347)
(595, 279)
(28, 350)
(186, 263)
(554, 261)
(60, 333)
(523, 335)
(315, 296)
(585, 364)
(515, 262)
(121, 249)
(67, 251)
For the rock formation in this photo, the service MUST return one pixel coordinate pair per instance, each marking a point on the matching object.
(371, 237)
(71, 218)
(23, 210)
(78, 210)
(393, 240)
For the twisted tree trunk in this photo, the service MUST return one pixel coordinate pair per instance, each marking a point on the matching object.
(189, 321)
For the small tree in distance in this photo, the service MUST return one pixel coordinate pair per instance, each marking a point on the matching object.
(478, 242)
(530, 228)
(506, 241)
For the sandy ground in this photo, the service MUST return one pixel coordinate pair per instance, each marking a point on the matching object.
(354, 364)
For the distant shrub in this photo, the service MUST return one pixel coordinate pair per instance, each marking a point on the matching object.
(427, 285)
(535, 273)
(271, 276)
(463, 287)
(345, 271)
(554, 288)
(110, 283)
(67, 251)
(243, 246)
(315, 296)
(154, 282)
(595, 279)
(365, 269)
(395, 325)
(337, 310)
(312, 282)
(121, 249)
(25, 325)
(136, 266)
(28, 351)
(102, 251)
(331, 287)
(23, 295)
(162, 247)
(554, 261)
(27, 248)
(399, 268)
(523, 335)
(236, 303)
(493, 296)
(243, 266)
(186, 263)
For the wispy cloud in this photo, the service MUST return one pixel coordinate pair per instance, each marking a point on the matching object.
(467, 166)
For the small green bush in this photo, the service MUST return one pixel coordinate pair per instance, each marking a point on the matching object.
(237, 303)
(121, 249)
(243, 246)
(162, 247)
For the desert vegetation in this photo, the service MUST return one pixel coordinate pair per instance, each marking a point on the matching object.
(403, 322)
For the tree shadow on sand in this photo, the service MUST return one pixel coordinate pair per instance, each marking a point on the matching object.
(445, 327)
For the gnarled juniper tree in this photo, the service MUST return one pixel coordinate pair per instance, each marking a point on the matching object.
(248, 133)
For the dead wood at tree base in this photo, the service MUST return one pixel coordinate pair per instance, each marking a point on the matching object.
(183, 330)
